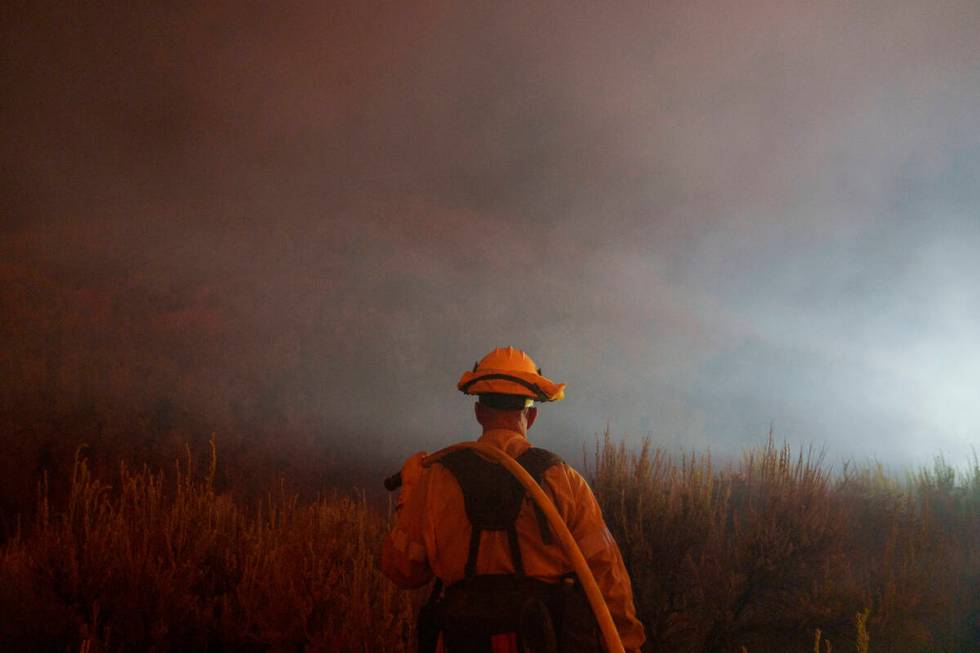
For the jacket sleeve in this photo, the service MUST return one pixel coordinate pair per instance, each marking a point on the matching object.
(403, 556)
(584, 519)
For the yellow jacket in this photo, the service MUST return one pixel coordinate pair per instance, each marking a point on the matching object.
(432, 533)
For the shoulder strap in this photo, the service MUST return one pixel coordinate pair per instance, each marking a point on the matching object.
(537, 461)
(493, 498)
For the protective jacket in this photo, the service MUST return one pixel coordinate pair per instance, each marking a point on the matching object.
(432, 537)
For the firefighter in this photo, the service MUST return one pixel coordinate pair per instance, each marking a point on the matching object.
(503, 583)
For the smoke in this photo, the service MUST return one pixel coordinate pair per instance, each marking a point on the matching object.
(704, 219)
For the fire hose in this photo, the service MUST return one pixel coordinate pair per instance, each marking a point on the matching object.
(568, 544)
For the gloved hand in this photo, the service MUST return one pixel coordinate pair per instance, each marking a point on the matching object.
(411, 473)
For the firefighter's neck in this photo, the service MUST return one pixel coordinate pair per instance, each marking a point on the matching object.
(492, 419)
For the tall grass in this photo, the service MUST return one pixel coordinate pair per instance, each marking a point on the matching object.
(137, 567)
(772, 553)
(762, 553)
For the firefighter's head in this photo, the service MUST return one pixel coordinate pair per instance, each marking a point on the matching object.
(500, 411)
(508, 382)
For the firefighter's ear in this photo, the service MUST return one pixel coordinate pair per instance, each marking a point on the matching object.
(530, 414)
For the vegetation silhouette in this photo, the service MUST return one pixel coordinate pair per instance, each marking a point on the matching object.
(773, 553)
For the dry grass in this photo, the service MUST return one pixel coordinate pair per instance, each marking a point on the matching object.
(763, 553)
(771, 554)
(138, 567)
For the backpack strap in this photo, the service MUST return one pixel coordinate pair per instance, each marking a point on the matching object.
(493, 498)
(515, 551)
(475, 534)
(537, 461)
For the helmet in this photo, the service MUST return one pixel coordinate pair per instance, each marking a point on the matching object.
(510, 371)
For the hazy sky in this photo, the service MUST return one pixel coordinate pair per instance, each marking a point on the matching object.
(704, 217)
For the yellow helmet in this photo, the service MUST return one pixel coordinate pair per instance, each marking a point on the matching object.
(510, 371)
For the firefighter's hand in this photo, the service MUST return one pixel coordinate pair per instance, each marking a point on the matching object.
(412, 469)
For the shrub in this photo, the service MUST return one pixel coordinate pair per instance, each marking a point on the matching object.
(761, 553)
(135, 567)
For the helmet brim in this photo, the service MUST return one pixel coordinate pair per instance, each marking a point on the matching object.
(511, 382)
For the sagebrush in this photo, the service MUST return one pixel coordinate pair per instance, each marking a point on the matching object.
(774, 553)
